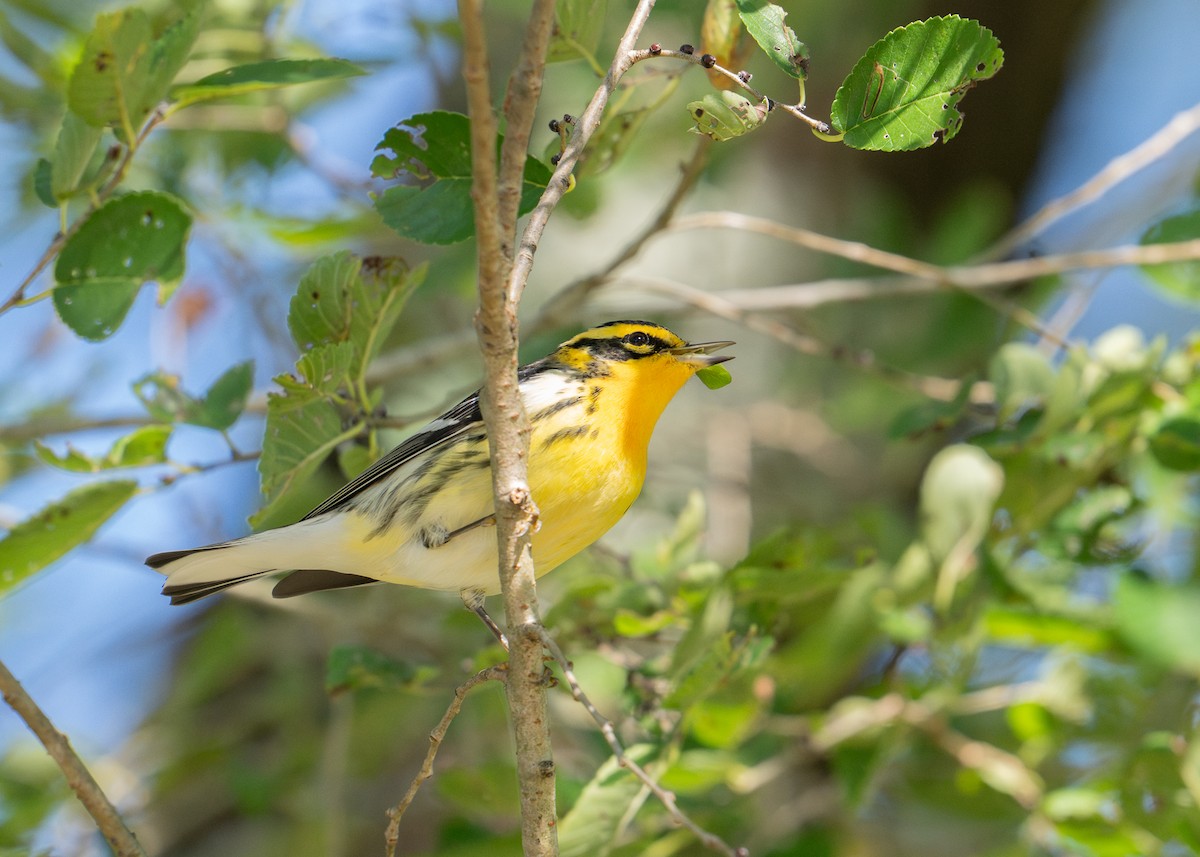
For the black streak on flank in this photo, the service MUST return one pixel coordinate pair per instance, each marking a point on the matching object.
(566, 434)
(560, 405)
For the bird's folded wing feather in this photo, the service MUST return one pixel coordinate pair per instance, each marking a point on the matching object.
(461, 419)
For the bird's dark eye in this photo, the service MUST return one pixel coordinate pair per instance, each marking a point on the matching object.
(638, 338)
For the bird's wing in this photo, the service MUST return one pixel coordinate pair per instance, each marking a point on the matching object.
(461, 419)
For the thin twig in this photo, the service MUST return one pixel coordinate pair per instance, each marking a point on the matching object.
(570, 297)
(666, 798)
(79, 778)
(1004, 770)
(520, 108)
(588, 123)
(944, 389)
(396, 813)
(1181, 126)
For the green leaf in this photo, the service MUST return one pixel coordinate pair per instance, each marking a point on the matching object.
(724, 115)
(226, 398)
(126, 242)
(577, 28)
(73, 152)
(1020, 627)
(435, 148)
(109, 85)
(1022, 377)
(303, 429)
(1160, 621)
(1181, 279)
(38, 541)
(958, 492)
(361, 668)
(144, 446)
(933, 415)
(43, 183)
(902, 94)
(170, 52)
(1176, 444)
(342, 299)
(218, 409)
(715, 377)
(765, 23)
(590, 828)
(259, 76)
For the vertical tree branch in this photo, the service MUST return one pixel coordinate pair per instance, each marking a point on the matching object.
(587, 125)
(504, 414)
(79, 778)
(520, 107)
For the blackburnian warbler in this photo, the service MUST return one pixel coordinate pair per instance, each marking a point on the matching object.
(421, 515)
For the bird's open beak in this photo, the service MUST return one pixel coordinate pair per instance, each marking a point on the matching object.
(701, 354)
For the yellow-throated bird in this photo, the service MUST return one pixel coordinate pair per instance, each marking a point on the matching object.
(419, 516)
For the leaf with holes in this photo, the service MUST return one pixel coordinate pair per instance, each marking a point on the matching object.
(434, 149)
(902, 95)
(108, 86)
(219, 408)
(128, 241)
(765, 23)
(345, 299)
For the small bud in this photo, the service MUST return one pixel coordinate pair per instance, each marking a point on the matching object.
(745, 76)
(708, 60)
(568, 119)
(554, 159)
(554, 125)
(655, 49)
(687, 49)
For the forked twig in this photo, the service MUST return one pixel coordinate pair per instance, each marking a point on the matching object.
(666, 798)
(392, 835)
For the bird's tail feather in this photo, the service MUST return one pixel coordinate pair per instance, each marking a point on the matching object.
(313, 543)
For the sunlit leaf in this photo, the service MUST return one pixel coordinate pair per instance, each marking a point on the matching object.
(108, 86)
(258, 76)
(144, 446)
(59, 528)
(1022, 377)
(590, 827)
(73, 152)
(715, 377)
(577, 28)
(1159, 621)
(958, 493)
(903, 93)
(720, 35)
(724, 115)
